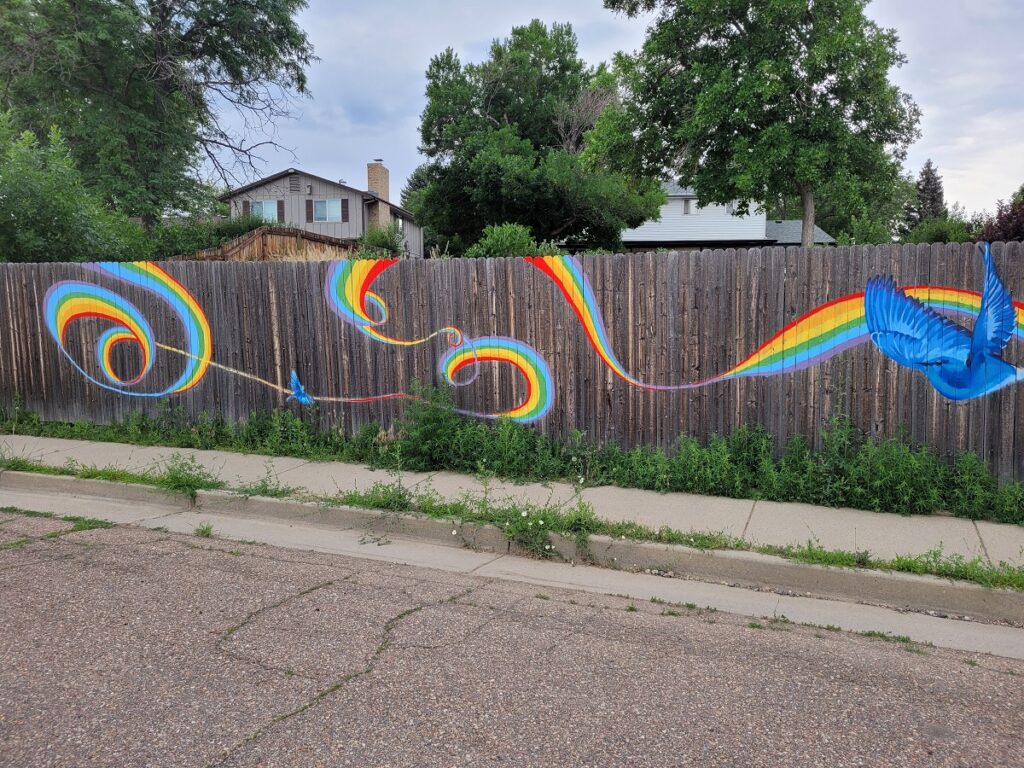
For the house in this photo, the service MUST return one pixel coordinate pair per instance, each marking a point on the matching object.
(686, 224)
(294, 198)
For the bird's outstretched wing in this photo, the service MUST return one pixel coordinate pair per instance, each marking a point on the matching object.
(909, 332)
(997, 318)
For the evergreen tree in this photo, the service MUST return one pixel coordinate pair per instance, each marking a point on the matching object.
(931, 198)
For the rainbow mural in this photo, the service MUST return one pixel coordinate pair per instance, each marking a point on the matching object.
(71, 300)
(909, 324)
(812, 338)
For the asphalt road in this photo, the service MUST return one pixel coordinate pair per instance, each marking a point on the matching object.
(130, 647)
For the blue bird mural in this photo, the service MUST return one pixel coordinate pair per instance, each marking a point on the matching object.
(960, 365)
(299, 393)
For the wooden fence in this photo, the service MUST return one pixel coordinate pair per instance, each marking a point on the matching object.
(275, 244)
(669, 319)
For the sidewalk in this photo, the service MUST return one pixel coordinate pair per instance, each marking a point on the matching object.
(762, 522)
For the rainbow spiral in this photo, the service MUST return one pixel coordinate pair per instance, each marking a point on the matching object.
(72, 300)
(501, 349)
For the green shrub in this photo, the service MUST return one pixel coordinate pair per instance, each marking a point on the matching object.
(1009, 503)
(183, 238)
(941, 229)
(388, 238)
(972, 488)
(501, 240)
(892, 477)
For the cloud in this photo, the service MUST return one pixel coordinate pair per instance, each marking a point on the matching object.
(964, 56)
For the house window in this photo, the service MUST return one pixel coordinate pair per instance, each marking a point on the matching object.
(730, 208)
(327, 210)
(686, 207)
(264, 209)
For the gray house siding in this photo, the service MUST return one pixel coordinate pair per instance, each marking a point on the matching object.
(295, 204)
(413, 239)
(298, 190)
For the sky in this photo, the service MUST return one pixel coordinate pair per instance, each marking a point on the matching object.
(965, 59)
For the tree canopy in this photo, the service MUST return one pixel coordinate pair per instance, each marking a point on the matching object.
(507, 141)
(144, 91)
(752, 101)
(46, 211)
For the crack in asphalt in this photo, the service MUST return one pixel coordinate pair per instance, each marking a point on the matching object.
(387, 633)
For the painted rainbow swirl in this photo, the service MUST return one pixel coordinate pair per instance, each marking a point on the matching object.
(812, 338)
(348, 293)
(71, 300)
(501, 349)
(348, 288)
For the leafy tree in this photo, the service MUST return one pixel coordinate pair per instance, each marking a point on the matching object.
(748, 100)
(1008, 223)
(931, 198)
(146, 90)
(507, 140)
(860, 211)
(46, 211)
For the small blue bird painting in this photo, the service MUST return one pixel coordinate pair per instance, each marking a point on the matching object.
(960, 365)
(299, 393)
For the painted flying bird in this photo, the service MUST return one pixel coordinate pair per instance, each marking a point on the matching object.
(299, 393)
(960, 365)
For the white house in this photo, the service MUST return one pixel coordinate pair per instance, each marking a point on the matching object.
(685, 224)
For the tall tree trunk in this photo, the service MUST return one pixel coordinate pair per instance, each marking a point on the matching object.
(807, 230)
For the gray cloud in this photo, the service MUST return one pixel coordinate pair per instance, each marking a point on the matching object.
(367, 90)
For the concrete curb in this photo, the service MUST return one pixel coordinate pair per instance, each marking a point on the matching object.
(76, 486)
(748, 569)
(485, 538)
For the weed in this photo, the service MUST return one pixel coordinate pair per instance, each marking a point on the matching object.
(541, 596)
(392, 497)
(269, 486)
(233, 552)
(631, 608)
(184, 475)
(80, 524)
(755, 625)
(670, 612)
(16, 544)
(204, 530)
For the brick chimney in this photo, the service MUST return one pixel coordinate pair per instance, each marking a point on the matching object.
(378, 180)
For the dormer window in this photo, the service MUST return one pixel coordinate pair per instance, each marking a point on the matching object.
(687, 210)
